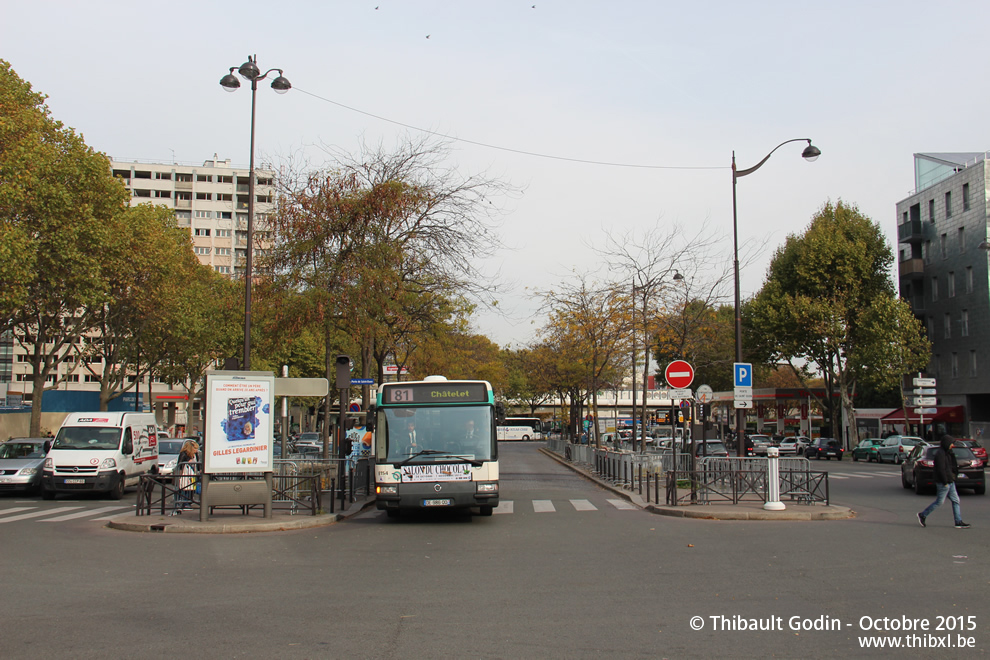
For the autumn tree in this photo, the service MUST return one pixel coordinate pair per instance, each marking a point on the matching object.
(829, 302)
(58, 208)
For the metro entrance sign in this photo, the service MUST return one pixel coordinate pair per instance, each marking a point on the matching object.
(679, 374)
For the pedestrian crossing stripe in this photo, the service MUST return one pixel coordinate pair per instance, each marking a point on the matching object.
(87, 512)
(37, 514)
(18, 513)
(540, 506)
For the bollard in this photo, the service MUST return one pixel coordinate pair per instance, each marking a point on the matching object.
(773, 481)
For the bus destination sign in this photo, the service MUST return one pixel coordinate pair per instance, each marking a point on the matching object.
(399, 393)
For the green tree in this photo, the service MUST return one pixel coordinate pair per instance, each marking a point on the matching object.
(58, 208)
(829, 302)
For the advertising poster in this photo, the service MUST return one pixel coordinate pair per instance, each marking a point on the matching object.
(239, 430)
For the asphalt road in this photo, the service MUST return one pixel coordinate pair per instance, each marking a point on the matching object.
(566, 574)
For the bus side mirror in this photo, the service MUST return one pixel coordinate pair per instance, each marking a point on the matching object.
(369, 420)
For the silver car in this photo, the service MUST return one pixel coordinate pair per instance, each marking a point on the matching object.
(168, 454)
(896, 448)
(21, 460)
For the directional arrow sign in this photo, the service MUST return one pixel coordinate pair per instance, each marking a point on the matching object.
(743, 403)
(925, 411)
(925, 400)
(923, 382)
(925, 391)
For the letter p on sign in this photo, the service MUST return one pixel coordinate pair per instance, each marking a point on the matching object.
(742, 374)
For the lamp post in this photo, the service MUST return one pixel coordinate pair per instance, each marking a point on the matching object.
(250, 71)
(811, 154)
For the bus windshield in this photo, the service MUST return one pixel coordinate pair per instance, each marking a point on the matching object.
(436, 435)
(87, 437)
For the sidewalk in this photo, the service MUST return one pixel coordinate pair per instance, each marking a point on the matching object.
(741, 511)
(232, 521)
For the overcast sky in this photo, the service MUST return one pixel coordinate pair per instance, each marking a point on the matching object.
(671, 87)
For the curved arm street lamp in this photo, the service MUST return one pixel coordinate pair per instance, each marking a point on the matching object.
(250, 71)
(811, 154)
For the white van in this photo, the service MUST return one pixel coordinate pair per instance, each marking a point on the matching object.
(101, 452)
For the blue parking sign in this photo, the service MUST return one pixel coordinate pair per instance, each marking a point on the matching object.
(742, 374)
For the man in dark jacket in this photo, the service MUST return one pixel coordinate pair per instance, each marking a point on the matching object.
(946, 471)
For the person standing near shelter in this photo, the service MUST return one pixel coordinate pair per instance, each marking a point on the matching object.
(946, 471)
(185, 467)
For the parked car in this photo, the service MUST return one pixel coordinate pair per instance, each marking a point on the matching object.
(709, 448)
(974, 446)
(794, 445)
(309, 437)
(896, 448)
(867, 449)
(827, 448)
(21, 461)
(760, 444)
(918, 469)
(168, 454)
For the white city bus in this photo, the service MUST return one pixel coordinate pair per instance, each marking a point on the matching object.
(521, 428)
(435, 446)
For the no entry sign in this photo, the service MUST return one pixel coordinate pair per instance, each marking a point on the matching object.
(679, 374)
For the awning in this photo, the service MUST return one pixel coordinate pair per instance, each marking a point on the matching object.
(944, 414)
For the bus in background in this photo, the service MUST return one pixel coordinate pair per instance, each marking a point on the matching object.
(435, 447)
(521, 428)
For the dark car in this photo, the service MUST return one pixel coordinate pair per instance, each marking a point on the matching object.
(704, 448)
(867, 449)
(827, 448)
(918, 469)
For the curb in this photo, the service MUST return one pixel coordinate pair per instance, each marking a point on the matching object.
(709, 512)
(242, 525)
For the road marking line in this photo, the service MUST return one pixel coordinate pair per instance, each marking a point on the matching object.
(584, 505)
(37, 514)
(87, 512)
(16, 509)
(504, 506)
(850, 474)
(621, 504)
(543, 506)
(835, 476)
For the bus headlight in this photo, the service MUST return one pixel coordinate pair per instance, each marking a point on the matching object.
(487, 486)
(388, 490)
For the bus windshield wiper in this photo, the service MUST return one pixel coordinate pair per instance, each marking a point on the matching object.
(437, 452)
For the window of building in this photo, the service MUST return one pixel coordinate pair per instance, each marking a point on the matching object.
(204, 214)
(204, 196)
(969, 279)
(947, 329)
(166, 194)
(183, 215)
(222, 269)
(204, 178)
(163, 176)
(184, 178)
(934, 289)
(951, 284)
(964, 323)
(183, 196)
(965, 197)
(142, 193)
(931, 210)
(225, 197)
(201, 250)
(138, 174)
(225, 179)
(201, 232)
(224, 215)
(224, 252)
(948, 204)
(943, 244)
(955, 365)
(972, 364)
(927, 252)
(73, 378)
(962, 239)
(90, 378)
(223, 233)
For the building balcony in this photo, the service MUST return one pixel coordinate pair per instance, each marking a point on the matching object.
(913, 231)
(911, 268)
(183, 185)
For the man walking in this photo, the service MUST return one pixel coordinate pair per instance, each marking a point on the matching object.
(946, 470)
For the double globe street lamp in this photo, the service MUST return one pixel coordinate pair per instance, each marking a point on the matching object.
(811, 154)
(250, 71)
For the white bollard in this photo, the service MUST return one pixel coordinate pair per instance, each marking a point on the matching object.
(773, 481)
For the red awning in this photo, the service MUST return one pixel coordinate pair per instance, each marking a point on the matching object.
(944, 414)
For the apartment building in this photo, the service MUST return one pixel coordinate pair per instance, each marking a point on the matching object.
(211, 200)
(943, 273)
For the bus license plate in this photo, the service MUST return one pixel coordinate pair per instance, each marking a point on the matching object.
(75, 481)
(438, 502)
